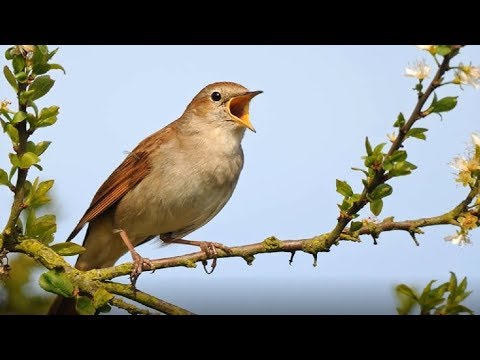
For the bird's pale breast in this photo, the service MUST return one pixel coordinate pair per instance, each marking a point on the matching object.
(186, 188)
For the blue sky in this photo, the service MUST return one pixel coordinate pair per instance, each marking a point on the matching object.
(319, 103)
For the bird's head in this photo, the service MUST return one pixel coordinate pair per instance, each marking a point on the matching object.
(223, 104)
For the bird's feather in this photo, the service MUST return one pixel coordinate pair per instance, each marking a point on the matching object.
(126, 176)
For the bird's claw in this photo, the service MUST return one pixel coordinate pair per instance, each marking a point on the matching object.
(140, 264)
(210, 250)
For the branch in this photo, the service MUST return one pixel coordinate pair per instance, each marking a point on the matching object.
(312, 245)
(380, 176)
(19, 190)
(128, 307)
(145, 299)
(86, 281)
(90, 281)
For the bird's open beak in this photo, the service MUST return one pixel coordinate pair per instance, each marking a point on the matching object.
(238, 107)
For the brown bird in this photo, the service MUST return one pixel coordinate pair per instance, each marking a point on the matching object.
(174, 181)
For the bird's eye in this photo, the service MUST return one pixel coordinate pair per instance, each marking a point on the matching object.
(216, 96)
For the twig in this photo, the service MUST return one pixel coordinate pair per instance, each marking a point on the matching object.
(379, 176)
(145, 299)
(132, 309)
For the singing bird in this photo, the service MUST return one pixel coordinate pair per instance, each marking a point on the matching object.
(175, 181)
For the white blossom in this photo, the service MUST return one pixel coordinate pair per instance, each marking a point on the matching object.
(419, 70)
(429, 48)
(468, 75)
(460, 239)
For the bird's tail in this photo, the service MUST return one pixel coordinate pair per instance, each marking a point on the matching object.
(63, 306)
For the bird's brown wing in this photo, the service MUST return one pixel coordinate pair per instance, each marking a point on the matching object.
(128, 174)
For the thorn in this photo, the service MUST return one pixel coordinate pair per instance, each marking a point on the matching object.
(412, 234)
(291, 258)
(249, 259)
(315, 259)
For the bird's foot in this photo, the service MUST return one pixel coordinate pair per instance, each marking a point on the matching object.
(210, 250)
(140, 264)
(208, 247)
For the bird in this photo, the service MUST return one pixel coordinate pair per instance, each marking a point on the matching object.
(172, 183)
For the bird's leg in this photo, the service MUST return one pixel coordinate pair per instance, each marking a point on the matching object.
(208, 247)
(139, 262)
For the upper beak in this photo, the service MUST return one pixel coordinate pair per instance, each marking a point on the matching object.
(238, 107)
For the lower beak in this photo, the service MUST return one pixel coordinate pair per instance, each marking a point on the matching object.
(238, 107)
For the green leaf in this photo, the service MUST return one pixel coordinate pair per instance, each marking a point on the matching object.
(355, 197)
(424, 296)
(28, 159)
(368, 147)
(57, 67)
(84, 306)
(355, 225)
(19, 117)
(40, 68)
(4, 177)
(38, 193)
(461, 296)
(12, 172)
(463, 285)
(8, 54)
(35, 108)
(41, 147)
(376, 207)
(21, 77)
(14, 160)
(51, 54)
(101, 298)
(38, 58)
(373, 160)
(345, 205)
(400, 121)
(43, 49)
(343, 188)
(26, 96)
(418, 133)
(18, 64)
(439, 291)
(406, 290)
(402, 168)
(47, 122)
(10, 78)
(56, 282)
(67, 249)
(458, 309)
(41, 228)
(452, 285)
(44, 187)
(378, 149)
(41, 86)
(398, 155)
(443, 50)
(12, 133)
(431, 302)
(381, 191)
(48, 112)
(357, 169)
(446, 104)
